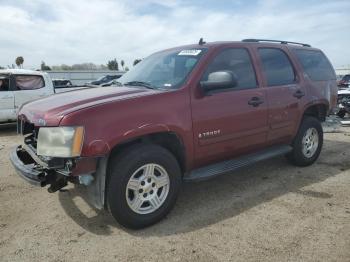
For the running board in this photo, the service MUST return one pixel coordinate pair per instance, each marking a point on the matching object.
(224, 167)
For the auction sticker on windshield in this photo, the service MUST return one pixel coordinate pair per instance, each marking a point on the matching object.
(192, 52)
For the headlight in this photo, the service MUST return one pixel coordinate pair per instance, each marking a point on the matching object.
(60, 141)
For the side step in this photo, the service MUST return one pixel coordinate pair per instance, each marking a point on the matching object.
(213, 170)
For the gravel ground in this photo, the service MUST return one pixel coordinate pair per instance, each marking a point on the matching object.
(269, 212)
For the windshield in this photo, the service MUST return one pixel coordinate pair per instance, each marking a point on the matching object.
(166, 70)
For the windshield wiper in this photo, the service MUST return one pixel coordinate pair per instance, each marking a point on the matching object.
(139, 83)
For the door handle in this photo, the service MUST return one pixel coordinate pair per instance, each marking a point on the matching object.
(299, 94)
(255, 101)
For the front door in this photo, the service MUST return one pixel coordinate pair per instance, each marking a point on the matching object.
(230, 121)
(7, 111)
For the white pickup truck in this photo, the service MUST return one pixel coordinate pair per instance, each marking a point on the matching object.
(18, 86)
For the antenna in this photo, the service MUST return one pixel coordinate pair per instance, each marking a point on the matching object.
(201, 42)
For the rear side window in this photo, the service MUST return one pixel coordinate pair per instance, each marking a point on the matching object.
(29, 82)
(276, 67)
(315, 65)
(236, 60)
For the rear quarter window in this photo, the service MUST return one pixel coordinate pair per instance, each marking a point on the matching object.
(315, 65)
(29, 82)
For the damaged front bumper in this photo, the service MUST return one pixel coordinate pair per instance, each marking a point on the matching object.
(26, 168)
(58, 172)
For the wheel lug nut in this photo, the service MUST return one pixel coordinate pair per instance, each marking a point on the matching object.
(142, 183)
(153, 184)
(145, 195)
(140, 190)
(149, 180)
(151, 191)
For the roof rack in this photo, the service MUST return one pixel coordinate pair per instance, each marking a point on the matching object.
(275, 41)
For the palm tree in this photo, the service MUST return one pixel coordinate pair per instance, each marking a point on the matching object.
(136, 61)
(20, 61)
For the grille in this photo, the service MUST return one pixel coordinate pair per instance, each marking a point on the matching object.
(29, 131)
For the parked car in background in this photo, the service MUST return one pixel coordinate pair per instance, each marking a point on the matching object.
(184, 114)
(345, 81)
(343, 102)
(104, 79)
(19, 86)
(111, 83)
(64, 85)
(61, 83)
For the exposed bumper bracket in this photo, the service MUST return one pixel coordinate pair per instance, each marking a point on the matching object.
(26, 170)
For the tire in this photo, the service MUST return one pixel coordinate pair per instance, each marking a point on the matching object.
(301, 156)
(127, 174)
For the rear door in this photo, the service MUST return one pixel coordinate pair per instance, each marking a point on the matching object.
(7, 103)
(285, 94)
(230, 121)
(28, 88)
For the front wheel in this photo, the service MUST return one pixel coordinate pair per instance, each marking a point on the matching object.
(143, 185)
(307, 143)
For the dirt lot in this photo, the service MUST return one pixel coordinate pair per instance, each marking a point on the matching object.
(270, 212)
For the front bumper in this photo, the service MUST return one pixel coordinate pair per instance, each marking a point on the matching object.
(36, 172)
(27, 168)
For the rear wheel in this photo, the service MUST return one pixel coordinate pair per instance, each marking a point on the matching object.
(143, 185)
(308, 142)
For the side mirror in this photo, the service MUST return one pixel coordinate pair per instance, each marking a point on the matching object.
(219, 80)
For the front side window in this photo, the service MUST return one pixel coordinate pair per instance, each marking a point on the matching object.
(315, 65)
(29, 82)
(236, 60)
(165, 70)
(276, 67)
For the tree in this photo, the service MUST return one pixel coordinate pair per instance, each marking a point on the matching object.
(44, 67)
(113, 64)
(136, 61)
(122, 64)
(66, 67)
(20, 61)
(103, 67)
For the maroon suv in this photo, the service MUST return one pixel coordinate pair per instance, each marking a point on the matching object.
(187, 113)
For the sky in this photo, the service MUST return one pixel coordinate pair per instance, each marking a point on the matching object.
(79, 31)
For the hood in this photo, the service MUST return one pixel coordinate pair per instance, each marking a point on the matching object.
(50, 110)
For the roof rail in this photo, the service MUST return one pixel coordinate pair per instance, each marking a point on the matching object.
(275, 41)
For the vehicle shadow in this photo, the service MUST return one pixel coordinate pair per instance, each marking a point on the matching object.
(8, 129)
(205, 203)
